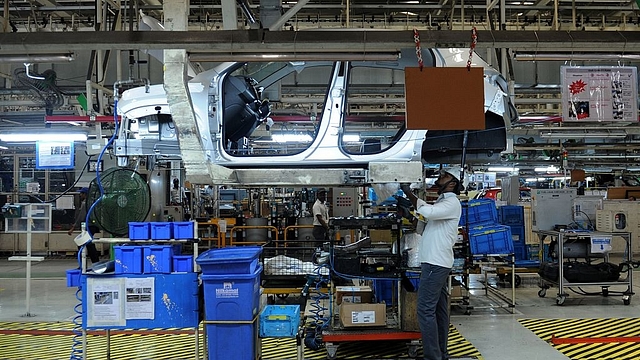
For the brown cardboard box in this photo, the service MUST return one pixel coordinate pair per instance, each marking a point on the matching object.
(363, 315)
(409, 301)
(353, 294)
(456, 291)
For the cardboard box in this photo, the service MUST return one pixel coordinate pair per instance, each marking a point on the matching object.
(409, 302)
(363, 315)
(353, 294)
(456, 291)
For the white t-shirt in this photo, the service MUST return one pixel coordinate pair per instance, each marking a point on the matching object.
(441, 231)
(319, 208)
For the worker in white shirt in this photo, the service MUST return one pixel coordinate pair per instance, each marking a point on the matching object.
(436, 261)
(320, 217)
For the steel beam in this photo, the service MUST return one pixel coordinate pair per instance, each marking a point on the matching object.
(285, 42)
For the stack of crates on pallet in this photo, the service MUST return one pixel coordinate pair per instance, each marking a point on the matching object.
(513, 216)
(486, 235)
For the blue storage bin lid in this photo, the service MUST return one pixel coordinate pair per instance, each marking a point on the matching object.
(205, 277)
(229, 254)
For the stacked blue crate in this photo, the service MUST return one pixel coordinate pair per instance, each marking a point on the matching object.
(513, 216)
(478, 212)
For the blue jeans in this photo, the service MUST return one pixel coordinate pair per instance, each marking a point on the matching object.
(433, 311)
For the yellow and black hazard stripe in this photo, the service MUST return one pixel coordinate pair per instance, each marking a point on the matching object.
(52, 341)
(578, 339)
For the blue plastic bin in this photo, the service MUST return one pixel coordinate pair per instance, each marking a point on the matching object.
(520, 252)
(139, 231)
(232, 341)
(511, 215)
(157, 259)
(490, 240)
(182, 263)
(128, 259)
(73, 277)
(230, 260)
(161, 231)
(232, 297)
(478, 211)
(279, 321)
(183, 230)
(384, 291)
(518, 235)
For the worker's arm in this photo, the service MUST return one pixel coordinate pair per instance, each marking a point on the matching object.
(80, 217)
(407, 190)
(447, 209)
(321, 220)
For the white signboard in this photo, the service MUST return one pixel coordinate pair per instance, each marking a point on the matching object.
(139, 302)
(599, 93)
(105, 302)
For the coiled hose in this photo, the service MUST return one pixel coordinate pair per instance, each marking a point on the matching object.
(313, 337)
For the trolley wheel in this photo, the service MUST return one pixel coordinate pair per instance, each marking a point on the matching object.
(626, 299)
(560, 300)
(332, 350)
(518, 281)
(542, 292)
(413, 351)
(502, 277)
(605, 291)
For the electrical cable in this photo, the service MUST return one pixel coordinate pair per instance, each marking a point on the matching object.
(77, 348)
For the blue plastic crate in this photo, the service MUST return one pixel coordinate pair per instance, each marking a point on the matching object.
(161, 231)
(156, 259)
(491, 240)
(183, 230)
(139, 231)
(511, 215)
(230, 260)
(518, 235)
(128, 259)
(182, 263)
(73, 277)
(280, 321)
(232, 341)
(478, 211)
(383, 290)
(520, 252)
(174, 297)
(232, 297)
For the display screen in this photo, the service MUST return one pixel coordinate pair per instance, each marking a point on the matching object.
(55, 155)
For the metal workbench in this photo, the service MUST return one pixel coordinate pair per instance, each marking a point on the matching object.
(562, 238)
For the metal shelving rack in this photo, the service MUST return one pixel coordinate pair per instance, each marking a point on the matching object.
(562, 237)
(129, 241)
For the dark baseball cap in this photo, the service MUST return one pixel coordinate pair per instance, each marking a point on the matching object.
(84, 190)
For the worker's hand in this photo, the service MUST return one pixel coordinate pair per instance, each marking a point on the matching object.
(405, 188)
(70, 231)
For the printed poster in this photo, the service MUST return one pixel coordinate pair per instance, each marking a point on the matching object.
(105, 302)
(599, 93)
(139, 299)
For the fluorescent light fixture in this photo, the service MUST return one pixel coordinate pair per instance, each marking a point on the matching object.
(503, 169)
(43, 136)
(546, 169)
(351, 138)
(281, 138)
(542, 56)
(530, 179)
(591, 135)
(3, 147)
(542, 179)
(408, 13)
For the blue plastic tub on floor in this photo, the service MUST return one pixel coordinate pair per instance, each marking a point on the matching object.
(232, 341)
(232, 297)
(230, 260)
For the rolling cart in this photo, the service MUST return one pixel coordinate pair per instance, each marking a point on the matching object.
(567, 248)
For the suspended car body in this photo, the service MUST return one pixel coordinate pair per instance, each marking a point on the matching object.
(315, 114)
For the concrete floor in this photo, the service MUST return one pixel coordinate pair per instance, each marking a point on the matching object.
(494, 331)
